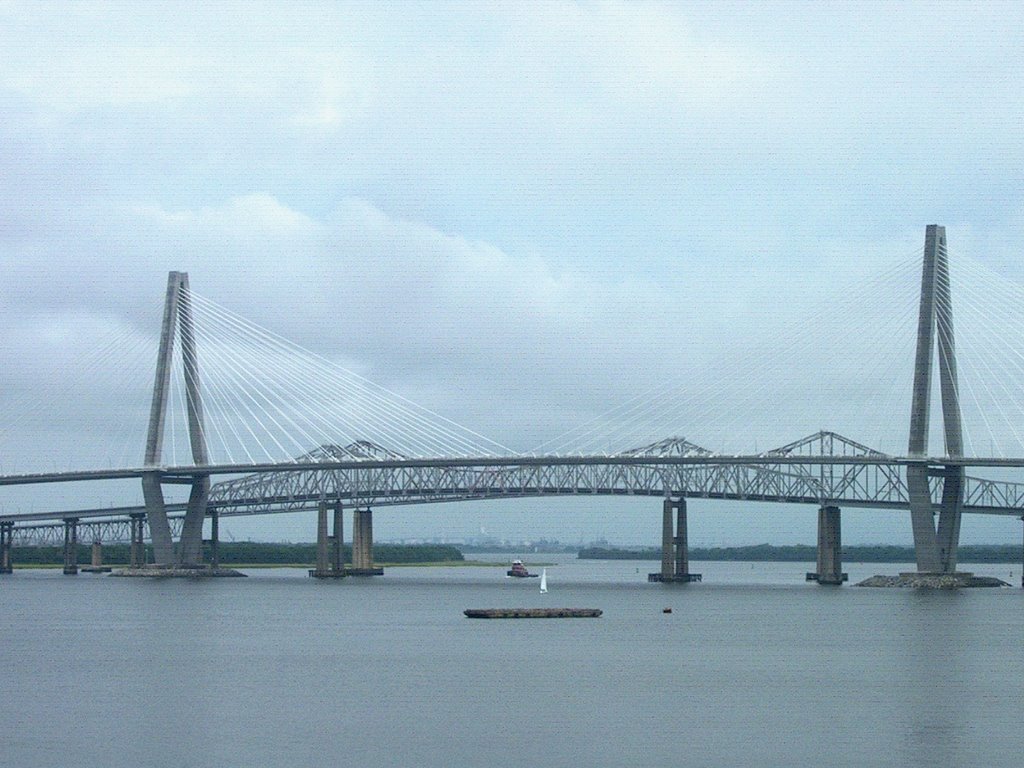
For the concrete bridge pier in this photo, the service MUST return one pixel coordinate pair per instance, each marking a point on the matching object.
(362, 544)
(96, 559)
(71, 546)
(137, 550)
(321, 570)
(338, 541)
(682, 548)
(675, 558)
(329, 548)
(214, 538)
(666, 540)
(830, 545)
(6, 544)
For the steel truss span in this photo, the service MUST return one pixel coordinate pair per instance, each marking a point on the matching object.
(186, 473)
(876, 485)
(821, 469)
(114, 531)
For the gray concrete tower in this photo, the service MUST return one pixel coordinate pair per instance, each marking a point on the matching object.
(177, 317)
(936, 550)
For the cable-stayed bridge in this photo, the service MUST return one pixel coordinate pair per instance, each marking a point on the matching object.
(417, 456)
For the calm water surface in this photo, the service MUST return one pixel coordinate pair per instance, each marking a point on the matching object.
(752, 667)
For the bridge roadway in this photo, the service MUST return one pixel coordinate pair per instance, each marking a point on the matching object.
(186, 472)
(371, 480)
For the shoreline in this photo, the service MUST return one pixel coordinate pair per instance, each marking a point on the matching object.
(267, 566)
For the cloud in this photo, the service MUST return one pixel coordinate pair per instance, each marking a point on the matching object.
(99, 76)
(519, 215)
(257, 214)
(647, 52)
(509, 344)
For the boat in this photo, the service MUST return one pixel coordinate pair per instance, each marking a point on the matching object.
(518, 570)
(544, 580)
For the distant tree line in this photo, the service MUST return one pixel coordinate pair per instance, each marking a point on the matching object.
(248, 553)
(542, 545)
(805, 553)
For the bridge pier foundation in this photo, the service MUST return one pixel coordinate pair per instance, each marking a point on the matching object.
(830, 545)
(675, 558)
(330, 548)
(71, 546)
(321, 569)
(682, 550)
(362, 545)
(137, 550)
(6, 546)
(338, 541)
(96, 560)
(666, 540)
(214, 538)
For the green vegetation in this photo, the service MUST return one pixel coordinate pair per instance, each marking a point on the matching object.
(250, 553)
(805, 553)
(518, 550)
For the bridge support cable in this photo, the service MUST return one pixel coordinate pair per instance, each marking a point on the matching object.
(6, 546)
(675, 557)
(737, 391)
(267, 396)
(991, 307)
(177, 317)
(936, 551)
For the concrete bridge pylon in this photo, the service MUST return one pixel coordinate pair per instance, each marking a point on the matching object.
(675, 555)
(936, 548)
(177, 321)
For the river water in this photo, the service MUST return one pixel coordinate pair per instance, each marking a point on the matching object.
(752, 667)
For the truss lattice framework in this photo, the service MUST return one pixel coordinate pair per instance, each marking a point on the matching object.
(845, 485)
(849, 485)
(107, 531)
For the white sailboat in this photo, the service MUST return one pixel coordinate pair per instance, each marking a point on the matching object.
(544, 580)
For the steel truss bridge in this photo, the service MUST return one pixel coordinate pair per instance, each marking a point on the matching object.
(822, 469)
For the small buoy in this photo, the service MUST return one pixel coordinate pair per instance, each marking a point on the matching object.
(666, 610)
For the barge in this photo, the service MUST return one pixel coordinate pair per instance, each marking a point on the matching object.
(532, 613)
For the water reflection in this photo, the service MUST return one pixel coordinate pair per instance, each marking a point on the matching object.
(936, 641)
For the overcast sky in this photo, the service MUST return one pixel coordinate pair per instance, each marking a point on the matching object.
(518, 215)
